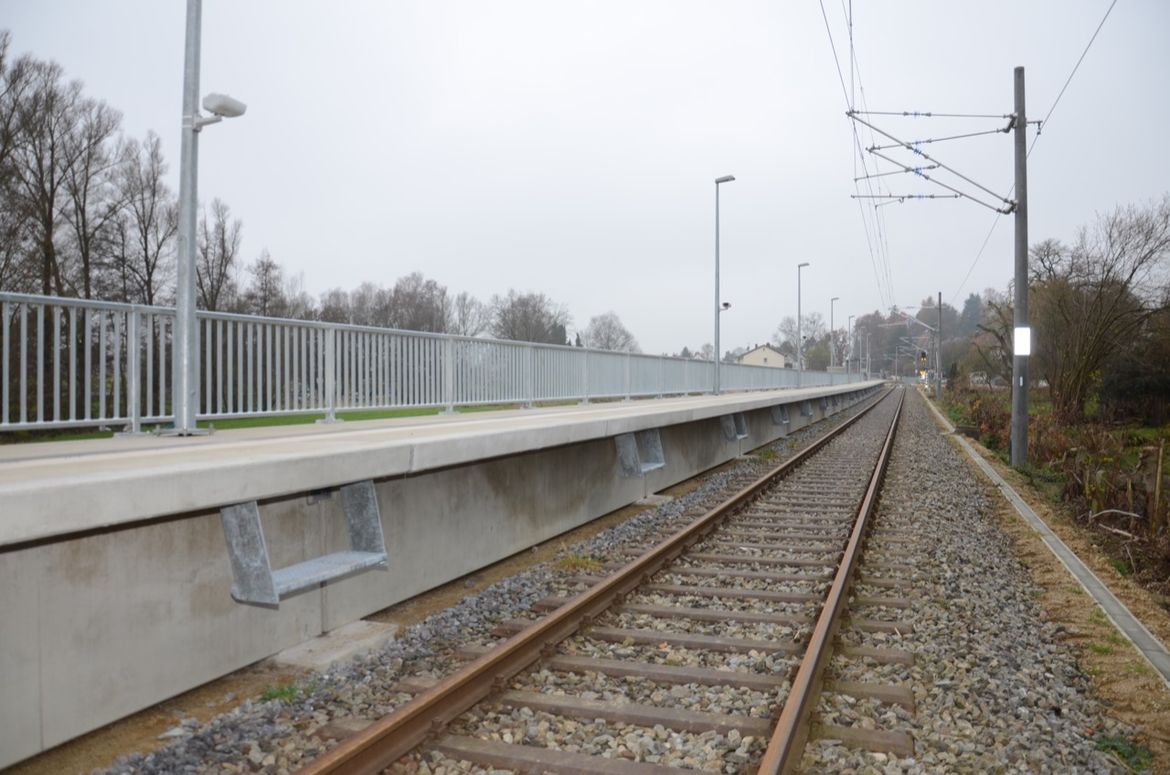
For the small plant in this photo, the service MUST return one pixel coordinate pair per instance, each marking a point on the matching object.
(1096, 616)
(1115, 638)
(1138, 669)
(1136, 757)
(1100, 648)
(1121, 566)
(578, 563)
(286, 693)
(767, 455)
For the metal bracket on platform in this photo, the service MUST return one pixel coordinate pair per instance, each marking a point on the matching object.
(824, 403)
(780, 414)
(639, 453)
(806, 408)
(734, 426)
(257, 583)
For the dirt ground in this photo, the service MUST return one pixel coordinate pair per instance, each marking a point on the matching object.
(1133, 690)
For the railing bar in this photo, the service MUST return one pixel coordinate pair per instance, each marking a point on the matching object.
(24, 363)
(4, 350)
(88, 379)
(162, 365)
(101, 386)
(269, 363)
(250, 407)
(40, 363)
(149, 367)
(219, 407)
(117, 366)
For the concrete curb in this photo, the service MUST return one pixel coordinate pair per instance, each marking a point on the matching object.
(1142, 639)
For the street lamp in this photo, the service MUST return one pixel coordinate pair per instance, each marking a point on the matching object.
(832, 331)
(185, 363)
(849, 331)
(719, 305)
(799, 339)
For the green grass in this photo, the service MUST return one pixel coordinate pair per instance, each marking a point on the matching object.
(1121, 566)
(286, 693)
(1100, 648)
(578, 563)
(1136, 757)
(266, 421)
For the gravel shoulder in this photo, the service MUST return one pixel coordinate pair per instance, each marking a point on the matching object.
(1119, 675)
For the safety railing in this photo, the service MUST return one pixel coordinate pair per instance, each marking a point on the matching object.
(79, 363)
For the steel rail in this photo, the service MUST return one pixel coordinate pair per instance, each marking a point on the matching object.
(385, 741)
(787, 743)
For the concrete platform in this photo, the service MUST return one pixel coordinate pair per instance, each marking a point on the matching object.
(115, 580)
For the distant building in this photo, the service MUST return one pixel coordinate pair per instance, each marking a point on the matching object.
(766, 355)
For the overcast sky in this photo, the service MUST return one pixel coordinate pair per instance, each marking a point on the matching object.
(571, 148)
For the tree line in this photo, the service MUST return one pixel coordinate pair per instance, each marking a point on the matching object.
(85, 211)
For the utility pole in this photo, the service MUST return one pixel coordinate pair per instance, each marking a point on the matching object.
(1022, 341)
(938, 353)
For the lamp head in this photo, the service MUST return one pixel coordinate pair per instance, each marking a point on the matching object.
(724, 179)
(804, 264)
(223, 106)
(726, 306)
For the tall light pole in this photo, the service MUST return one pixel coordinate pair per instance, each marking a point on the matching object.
(850, 332)
(832, 331)
(185, 357)
(719, 306)
(799, 338)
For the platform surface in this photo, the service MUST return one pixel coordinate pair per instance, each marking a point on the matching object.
(55, 488)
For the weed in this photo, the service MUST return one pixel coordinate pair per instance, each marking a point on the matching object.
(286, 693)
(1137, 668)
(1097, 616)
(1121, 566)
(767, 455)
(1115, 638)
(1076, 591)
(1100, 648)
(578, 563)
(1135, 756)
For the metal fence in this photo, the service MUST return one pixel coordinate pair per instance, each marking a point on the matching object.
(76, 363)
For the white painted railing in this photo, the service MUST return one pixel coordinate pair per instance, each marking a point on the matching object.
(76, 363)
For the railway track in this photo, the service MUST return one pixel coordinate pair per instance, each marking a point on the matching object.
(713, 645)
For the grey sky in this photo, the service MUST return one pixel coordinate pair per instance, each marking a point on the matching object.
(570, 148)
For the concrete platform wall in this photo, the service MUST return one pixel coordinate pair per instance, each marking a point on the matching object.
(99, 625)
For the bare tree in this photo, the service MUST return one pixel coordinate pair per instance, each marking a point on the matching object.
(264, 295)
(216, 262)
(93, 200)
(14, 81)
(335, 306)
(46, 117)
(528, 317)
(300, 305)
(419, 304)
(469, 315)
(606, 332)
(143, 258)
(813, 328)
(1089, 300)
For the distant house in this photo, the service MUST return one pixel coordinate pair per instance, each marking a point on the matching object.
(766, 355)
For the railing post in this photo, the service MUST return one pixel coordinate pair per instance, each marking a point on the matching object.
(330, 374)
(132, 348)
(449, 375)
(661, 376)
(627, 377)
(585, 377)
(530, 377)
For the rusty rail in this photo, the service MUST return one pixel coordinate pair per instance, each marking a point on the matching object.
(385, 741)
(787, 743)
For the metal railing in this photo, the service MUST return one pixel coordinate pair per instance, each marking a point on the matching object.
(77, 363)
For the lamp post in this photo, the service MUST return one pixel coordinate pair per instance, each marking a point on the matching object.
(849, 330)
(832, 339)
(185, 363)
(719, 306)
(799, 339)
